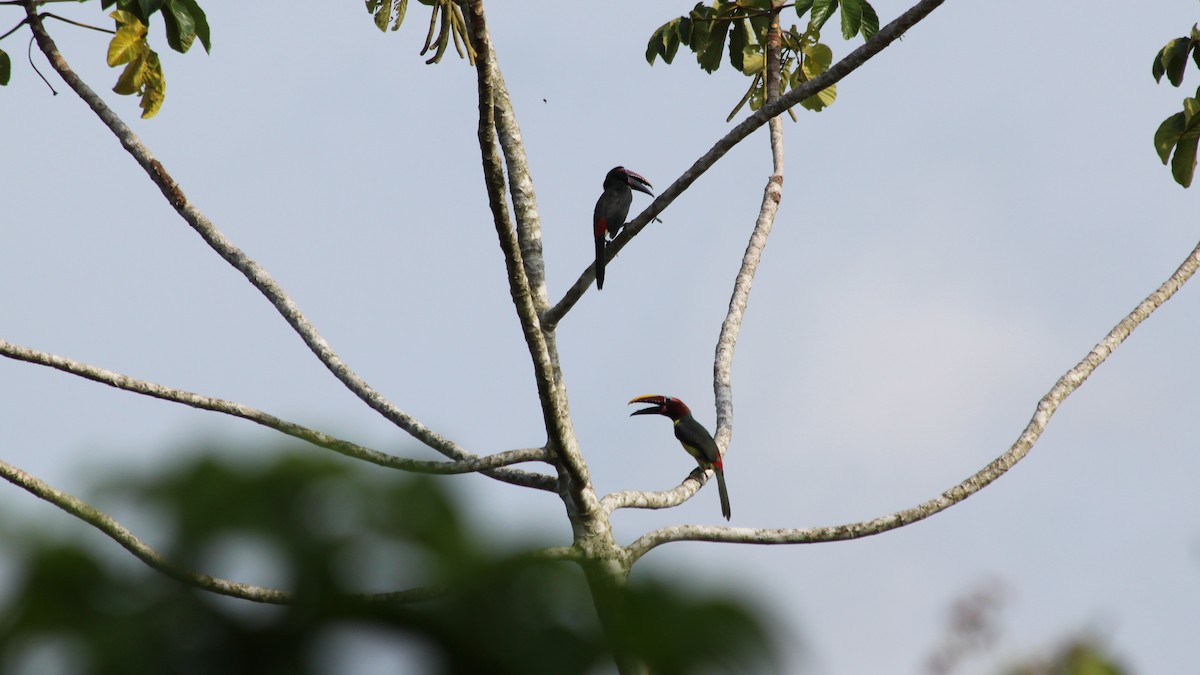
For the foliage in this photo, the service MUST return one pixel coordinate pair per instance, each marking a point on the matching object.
(1179, 132)
(452, 24)
(330, 526)
(184, 22)
(1079, 656)
(743, 25)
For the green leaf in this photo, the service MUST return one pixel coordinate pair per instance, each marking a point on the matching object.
(132, 78)
(400, 12)
(1174, 59)
(740, 38)
(181, 28)
(852, 14)
(1168, 135)
(5, 68)
(821, 11)
(199, 19)
(752, 60)
(383, 13)
(1183, 164)
(803, 6)
(870, 21)
(129, 43)
(148, 7)
(710, 58)
(817, 60)
(660, 41)
(155, 90)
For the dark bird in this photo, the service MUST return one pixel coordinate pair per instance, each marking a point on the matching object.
(694, 437)
(613, 208)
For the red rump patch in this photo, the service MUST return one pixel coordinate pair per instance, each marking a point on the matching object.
(601, 225)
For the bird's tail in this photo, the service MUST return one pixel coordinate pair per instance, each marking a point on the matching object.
(600, 261)
(724, 492)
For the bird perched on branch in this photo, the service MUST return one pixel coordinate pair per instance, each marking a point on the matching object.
(613, 208)
(694, 437)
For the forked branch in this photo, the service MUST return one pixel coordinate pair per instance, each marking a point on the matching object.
(1046, 407)
(551, 394)
(292, 429)
(237, 258)
(886, 36)
(740, 298)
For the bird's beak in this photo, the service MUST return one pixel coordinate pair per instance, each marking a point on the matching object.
(638, 182)
(657, 402)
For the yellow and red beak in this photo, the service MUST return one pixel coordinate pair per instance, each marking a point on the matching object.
(658, 405)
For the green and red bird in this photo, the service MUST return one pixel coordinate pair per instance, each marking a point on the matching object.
(694, 437)
(612, 209)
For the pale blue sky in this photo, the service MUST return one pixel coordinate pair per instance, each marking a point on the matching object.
(976, 211)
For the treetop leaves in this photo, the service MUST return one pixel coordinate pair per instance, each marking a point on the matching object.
(744, 23)
(130, 41)
(1179, 133)
(185, 21)
(143, 73)
(5, 68)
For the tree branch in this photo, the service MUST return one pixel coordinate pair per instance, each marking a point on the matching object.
(1046, 407)
(551, 393)
(886, 36)
(105, 523)
(120, 534)
(772, 194)
(127, 383)
(253, 272)
(640, 499)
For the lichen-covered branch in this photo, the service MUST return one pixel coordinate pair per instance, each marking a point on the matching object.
(772, 194)
(1046, 407)
(120, 534)
(551, 393)
(641, 499)
(886, 36)
(199, 401)
(237, 258)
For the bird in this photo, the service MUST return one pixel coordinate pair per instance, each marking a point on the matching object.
(694, 437)
(612, 208)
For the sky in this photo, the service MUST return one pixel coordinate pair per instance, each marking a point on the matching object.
(978, 208)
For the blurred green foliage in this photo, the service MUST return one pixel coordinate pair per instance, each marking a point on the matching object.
(334, 531)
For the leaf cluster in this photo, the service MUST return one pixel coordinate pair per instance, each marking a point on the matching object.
(1179, 133)
(143, 75)
(742, 25)
(446, 22)
(324, 526)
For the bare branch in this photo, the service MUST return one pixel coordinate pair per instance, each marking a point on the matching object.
(886, 36)
(120, 381)
(551, 393)
(120, 534)
(520, 188)
(640, 499)
(253, 272)
(1046, 407)
(105, 523)
(772, 194)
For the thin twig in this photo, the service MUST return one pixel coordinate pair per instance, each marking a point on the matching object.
(50, 15)
(1046, 407)
(15, 28)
